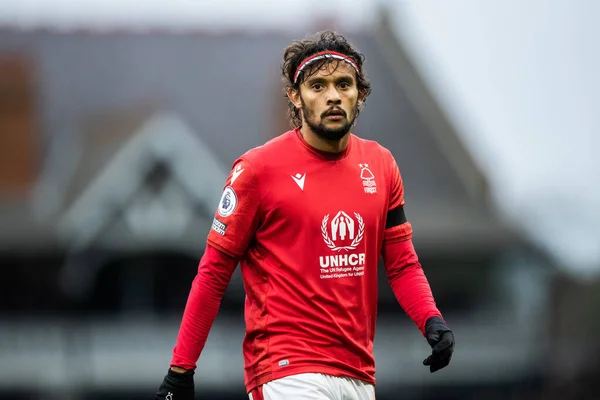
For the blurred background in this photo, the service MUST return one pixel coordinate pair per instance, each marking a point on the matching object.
(119, 121)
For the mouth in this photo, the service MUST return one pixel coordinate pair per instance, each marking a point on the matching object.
(335, 115)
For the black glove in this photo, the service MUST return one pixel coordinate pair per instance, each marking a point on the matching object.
(176, 386)
(441, 340)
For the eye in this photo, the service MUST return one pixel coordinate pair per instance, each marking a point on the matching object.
(344, 85)
(317, 86)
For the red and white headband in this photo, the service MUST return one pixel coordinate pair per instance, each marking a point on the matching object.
(321, 55)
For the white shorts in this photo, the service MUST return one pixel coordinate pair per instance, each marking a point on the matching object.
(314, 387)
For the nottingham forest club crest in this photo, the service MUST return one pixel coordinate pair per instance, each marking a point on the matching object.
(368, 179)
(342, 234)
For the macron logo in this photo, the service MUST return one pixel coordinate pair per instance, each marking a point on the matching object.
(236, 173)
(299, 179)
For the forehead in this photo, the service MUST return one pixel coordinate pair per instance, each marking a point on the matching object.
(333, 69)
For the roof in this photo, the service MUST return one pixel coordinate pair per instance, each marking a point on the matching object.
(223, 87)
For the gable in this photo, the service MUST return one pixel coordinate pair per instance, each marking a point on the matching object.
(156, 186)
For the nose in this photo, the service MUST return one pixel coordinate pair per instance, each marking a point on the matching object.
(333, 97)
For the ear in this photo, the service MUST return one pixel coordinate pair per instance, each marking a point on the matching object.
(361, 98)
(294, 96)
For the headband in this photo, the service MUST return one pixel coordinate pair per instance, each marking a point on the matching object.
(320, 56)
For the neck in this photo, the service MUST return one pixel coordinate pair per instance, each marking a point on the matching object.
(322, 144)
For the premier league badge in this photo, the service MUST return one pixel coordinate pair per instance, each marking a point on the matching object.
(228, 202)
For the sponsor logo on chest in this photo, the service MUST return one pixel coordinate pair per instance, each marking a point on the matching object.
(343, 233)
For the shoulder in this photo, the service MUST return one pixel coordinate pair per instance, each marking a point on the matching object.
(374, 148)
(255, 160)
(273, 148)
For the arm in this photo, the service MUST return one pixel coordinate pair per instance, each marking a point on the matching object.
(209, 285)
(413, 292)
(409, 283)
(234, 225)
(408, 280)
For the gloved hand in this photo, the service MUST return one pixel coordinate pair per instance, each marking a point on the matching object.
(176, 386)
(441, 340)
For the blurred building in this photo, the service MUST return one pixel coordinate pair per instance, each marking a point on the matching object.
(114, 151)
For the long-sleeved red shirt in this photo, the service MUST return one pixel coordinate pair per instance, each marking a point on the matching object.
(308, 230)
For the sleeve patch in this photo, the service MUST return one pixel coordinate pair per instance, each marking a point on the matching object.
(228, 202)
(219, 227)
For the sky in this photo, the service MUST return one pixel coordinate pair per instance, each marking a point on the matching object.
(520, 81)
(518, 78)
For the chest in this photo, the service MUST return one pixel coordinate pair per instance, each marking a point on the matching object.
(344, 198)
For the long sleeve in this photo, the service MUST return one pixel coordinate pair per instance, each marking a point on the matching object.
(209, 285)
(406, 276)
(234, 223)
(408, 282)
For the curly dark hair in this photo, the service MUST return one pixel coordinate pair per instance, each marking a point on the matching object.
(299, 50)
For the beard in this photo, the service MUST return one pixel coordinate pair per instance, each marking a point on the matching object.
(321, 130)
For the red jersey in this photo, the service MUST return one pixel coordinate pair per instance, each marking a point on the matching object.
(309, 228)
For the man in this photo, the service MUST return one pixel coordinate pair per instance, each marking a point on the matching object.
(307, 215)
